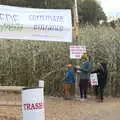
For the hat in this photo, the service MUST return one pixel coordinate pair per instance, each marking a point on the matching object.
(68, 65)
(84, 56)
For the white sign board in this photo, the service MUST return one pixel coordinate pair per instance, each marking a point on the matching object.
(76, 51)
(33, 104)
(93, 79)
(41, 84)
(35, 24)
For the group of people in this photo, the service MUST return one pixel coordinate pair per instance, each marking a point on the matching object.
(85, 69)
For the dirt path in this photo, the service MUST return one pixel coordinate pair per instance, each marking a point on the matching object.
(88, 110)
(59, 109)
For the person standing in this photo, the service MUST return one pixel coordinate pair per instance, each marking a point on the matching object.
(68, 82)
(102, 80)
(85, 69)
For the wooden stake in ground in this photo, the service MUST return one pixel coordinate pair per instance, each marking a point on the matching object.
(76, 28)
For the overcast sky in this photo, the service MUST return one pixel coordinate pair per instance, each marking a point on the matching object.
(111, 7)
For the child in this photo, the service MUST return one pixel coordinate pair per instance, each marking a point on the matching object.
(68, 81)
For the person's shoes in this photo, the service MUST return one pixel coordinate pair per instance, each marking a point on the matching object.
(101, 100)
(82, 99)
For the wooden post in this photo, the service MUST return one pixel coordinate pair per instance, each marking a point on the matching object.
(76, 29)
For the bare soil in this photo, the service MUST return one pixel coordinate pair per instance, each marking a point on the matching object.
(59, 109)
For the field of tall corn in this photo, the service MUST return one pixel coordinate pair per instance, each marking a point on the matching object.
(24, 62)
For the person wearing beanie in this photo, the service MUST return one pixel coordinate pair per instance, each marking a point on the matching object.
(85, 70)
(68, 81)
(84, 56)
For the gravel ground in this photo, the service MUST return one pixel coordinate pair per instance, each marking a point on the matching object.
(59, 109)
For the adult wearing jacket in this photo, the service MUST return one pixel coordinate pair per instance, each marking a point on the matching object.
(102, 80)
(85, 69)
(68, 81)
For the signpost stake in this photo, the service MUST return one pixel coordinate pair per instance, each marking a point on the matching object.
(76, 28)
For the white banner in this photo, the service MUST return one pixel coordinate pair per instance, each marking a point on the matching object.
(35, 24)
(76, 51)
(93, 79)
(33, 104)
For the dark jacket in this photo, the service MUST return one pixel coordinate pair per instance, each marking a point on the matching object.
(102, 75)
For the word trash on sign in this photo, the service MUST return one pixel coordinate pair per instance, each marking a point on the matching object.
(33, 106)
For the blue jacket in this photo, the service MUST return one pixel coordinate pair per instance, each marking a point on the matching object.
(85, 70)
(69, 76)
